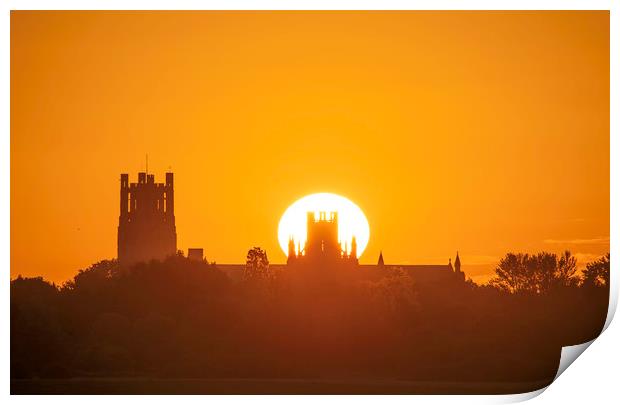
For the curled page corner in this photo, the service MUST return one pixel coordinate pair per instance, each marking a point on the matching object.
(569, 355)
(613, 303)
(525, 396)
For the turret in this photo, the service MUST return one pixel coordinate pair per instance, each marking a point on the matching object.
(291, 249)
(353, 254)
(124, 195)
(457, 263)
(169, 194)
(380, 261)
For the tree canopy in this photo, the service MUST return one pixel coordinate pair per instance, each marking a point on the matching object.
(539, 273)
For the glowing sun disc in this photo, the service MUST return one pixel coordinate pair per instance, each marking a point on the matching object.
(351, 221)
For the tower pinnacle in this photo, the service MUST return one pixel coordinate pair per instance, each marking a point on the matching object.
(457, 265)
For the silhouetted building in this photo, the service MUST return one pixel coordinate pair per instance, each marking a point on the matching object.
(425, 275)
(147, 231)
(146, 226)
(322, 243)
(196, 254)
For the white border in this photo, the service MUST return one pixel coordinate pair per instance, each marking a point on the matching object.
(579, 384)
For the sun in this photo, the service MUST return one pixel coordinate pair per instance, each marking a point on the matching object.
(351, 221)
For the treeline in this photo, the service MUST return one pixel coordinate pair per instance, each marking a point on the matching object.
(182, 318)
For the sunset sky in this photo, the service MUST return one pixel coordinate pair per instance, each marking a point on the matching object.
(482, 132)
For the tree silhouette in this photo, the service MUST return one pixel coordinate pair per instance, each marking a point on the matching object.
(567, 267)
(395, 292)
(596, 273)
(513, 274)
(257, 265)
(541, 273)
(38, 340)
(92, 277)
(183, 319)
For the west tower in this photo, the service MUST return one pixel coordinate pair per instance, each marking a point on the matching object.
(146, 226)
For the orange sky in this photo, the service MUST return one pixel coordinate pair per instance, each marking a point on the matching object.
(485, 132)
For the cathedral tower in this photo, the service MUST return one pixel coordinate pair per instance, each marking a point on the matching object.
(146, 225)
(322, 243)
(322, 235)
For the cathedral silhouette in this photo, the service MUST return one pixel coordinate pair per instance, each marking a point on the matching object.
(147, 231)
